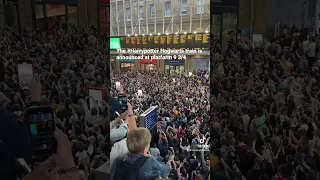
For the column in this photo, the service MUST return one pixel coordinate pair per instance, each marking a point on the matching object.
(161, 65)
(82, 14)
(25, 12)
(137, 65)
(2, 18)
(118, 65)
(93, 9)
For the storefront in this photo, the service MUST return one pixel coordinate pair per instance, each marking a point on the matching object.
(127, 64)
(224, 19)
(174, 66)
(112, 64)
(149, 64)
(48, 13)
(201, 65)
(104, 14)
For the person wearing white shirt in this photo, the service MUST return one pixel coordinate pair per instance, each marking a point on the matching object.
(311, 52)
(119, 149)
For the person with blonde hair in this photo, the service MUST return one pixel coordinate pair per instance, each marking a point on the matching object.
(138, 163)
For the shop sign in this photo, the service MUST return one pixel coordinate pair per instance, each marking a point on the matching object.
(174, 62)
(127, 60)
(149, 61)
(226, 3)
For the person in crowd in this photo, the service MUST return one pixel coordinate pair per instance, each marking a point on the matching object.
(265, 108)
(66, 62)
(182, 129)
(139, 158)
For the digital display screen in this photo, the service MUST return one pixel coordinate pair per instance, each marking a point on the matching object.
(128, 42)
(206, 41)
(156, 40)
(123, 42)
(198, 40)
(134, 42)
(190, 42)
(183, 41)
(150, 42)
(41, 124)
(138, 41)
(163, 42)
(144, 42)
(169, 42)
(176, 41)
(122, 100)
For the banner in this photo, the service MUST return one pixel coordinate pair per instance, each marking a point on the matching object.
(149, 118)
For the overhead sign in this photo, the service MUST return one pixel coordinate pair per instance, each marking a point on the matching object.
(115, 43)
(171, 41)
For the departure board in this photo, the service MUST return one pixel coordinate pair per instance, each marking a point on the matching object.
(176, 42)
(206, 41)
(123, 42)
(144, 41)
(139, 41)
(198, 41)
(134, 42)
(169, 41)
(183, 41)
(128, 42)
(156, 42)
(163, 42)
(190, 42)
(150, 42)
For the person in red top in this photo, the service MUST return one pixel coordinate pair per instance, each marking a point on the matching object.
(181, 132)
(241, 151)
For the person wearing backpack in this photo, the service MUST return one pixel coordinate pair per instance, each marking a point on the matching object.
(138, 164)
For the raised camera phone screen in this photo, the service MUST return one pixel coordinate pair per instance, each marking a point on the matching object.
(41, 124)
(122, 100)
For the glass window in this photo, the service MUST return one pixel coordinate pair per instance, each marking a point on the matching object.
(104, 17)
(184, 6)
(73, 16)
(167, 12)
(229, 26)
(140, 12)
(128, 14)
(151, 11)
(200, 6)
(39, 16)
(216, 25)
(10, 15)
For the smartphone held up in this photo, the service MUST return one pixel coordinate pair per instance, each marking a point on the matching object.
(25, 73)
(41, 126)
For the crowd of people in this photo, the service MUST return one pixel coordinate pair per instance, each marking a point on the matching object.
(67, 61)
(180, 139)
(265, 108)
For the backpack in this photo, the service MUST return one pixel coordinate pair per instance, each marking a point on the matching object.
(127, 171)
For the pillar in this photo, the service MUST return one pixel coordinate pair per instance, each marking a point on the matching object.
(118, 65)
(2, 18)
(93, 7)
(137, 65)
(82, 14)
(25, 13)
(161, 65)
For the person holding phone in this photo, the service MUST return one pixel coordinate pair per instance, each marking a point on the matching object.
(15, 148)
